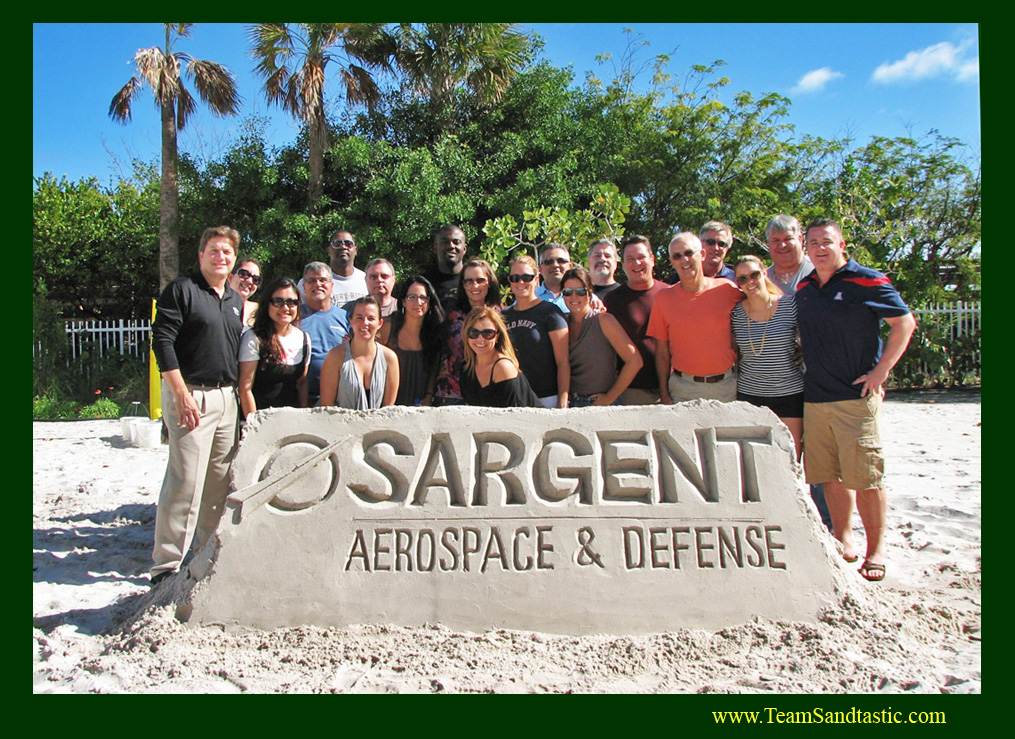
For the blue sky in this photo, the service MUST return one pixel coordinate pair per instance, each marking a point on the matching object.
(858, 80)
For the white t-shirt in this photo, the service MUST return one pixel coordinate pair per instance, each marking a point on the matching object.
(343, 289)
(292, 347)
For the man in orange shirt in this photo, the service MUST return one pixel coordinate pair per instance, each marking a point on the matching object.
(691, 325)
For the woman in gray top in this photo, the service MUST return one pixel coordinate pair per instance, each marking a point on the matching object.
(597, 343)
(360, 374)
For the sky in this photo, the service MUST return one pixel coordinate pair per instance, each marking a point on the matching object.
(855, 80)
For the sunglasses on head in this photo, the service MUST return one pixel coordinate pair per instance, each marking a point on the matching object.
(521, 278)
(279, 302)
(717, 242)
(752, 277)
(486, 333)
(244, 274)
(581, 292)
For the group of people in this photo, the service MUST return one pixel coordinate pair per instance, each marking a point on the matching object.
(800, 336)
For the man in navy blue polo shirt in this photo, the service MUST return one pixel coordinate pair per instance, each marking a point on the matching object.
(840, 306)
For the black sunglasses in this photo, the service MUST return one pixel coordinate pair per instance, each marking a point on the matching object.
(717, 242)
(683, 255)
(558, 260)
(521, 278)
(581, 292)
(342, 242)
(279, 302)
(486, 333)
(247, 275)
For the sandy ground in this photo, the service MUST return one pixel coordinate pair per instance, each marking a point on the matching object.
(96, 628)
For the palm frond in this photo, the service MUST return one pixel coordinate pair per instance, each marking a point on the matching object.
(119, 108)
(185, 105)
(360, 87)
(151, 66)
(216, 85)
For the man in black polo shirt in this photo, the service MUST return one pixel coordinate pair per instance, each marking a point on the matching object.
(195, 337)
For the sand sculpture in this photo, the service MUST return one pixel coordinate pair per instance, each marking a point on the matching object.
(600, 520)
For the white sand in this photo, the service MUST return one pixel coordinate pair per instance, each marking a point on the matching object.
(97, 629)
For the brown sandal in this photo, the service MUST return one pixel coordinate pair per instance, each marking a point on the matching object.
(872, 572)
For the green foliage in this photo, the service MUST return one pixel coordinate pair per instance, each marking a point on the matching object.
(576, 230)
(95, 249)
(50, 356)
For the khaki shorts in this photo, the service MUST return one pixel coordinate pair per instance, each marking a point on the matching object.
(842, 442)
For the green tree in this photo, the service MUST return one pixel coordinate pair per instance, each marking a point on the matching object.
(914, 208)
(95, 248)
(293, 59)
(160, 70)
(439, 60)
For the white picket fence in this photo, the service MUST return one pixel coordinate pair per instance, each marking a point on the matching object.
(961, 318)
(105, 338)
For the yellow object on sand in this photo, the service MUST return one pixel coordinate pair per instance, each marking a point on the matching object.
(154, 379)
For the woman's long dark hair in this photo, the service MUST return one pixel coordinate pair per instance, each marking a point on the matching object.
(430, 333)
(492, 294)
(264, 327)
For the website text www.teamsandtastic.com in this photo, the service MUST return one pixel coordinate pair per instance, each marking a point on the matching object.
(824, 716)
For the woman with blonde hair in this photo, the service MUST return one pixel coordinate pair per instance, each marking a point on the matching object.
(490, 375)
(538, 332)
(767, 337)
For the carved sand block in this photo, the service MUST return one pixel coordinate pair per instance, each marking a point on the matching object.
(599, 520)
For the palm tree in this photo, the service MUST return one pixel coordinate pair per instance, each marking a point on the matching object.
(160, 70)
(292, 58)
(438, 59)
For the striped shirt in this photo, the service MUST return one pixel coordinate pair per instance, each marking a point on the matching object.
(766, 366)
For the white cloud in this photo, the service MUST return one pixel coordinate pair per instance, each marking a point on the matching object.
(938, 60)
(815, 80)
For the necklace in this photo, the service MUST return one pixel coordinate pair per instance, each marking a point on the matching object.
(750, 338)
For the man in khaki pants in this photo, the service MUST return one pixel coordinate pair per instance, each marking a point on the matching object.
(195, 338)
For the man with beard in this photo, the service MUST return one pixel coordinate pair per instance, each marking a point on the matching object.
(603, 263)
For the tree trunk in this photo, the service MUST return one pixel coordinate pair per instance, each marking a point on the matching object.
(318, 130)
(169, 207)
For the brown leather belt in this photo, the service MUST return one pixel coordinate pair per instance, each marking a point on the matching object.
(703, 378)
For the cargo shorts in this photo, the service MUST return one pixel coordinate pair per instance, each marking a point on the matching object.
(842, 442)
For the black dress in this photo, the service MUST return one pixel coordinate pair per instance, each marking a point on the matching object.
(275, 385)
(513, 393)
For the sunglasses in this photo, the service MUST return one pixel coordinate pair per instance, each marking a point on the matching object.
(581, 292)
(486, 333)
(717, 242)
(752, 277)
(342, 242)
(552, 261)
(279, 302)
(475, 280)
(247, 275)
(521, 278)
(683, 255)
(417, 298)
